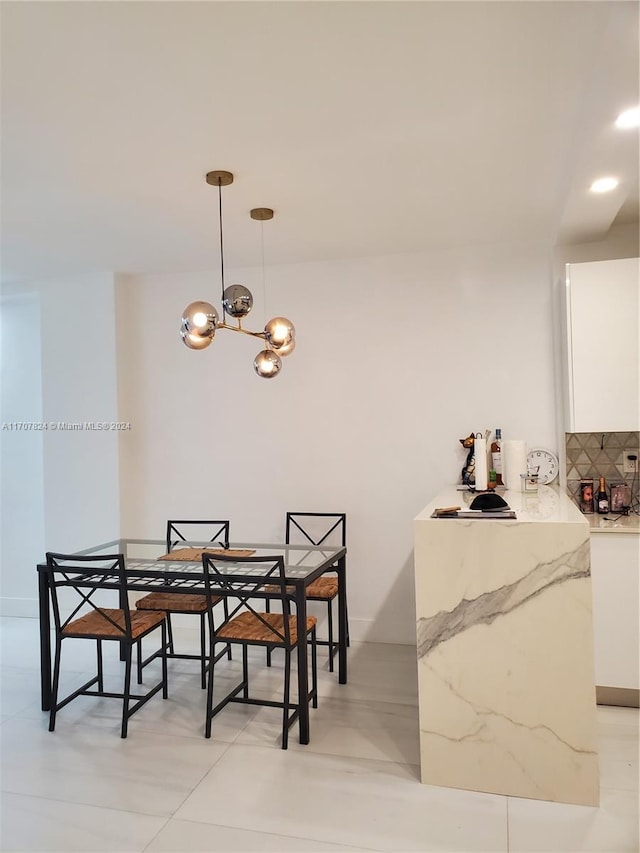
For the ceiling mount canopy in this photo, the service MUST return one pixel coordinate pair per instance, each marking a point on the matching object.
(219, 178)
(200, 320)
(262, 214)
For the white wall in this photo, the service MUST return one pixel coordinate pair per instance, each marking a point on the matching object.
(397, 358)
(21, 453)
(80, 384)
(70, 498)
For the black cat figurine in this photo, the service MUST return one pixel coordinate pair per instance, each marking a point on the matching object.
(469, 470)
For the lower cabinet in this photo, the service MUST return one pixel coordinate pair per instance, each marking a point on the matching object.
(615, 574)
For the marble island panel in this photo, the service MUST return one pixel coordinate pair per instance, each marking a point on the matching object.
(505, 652)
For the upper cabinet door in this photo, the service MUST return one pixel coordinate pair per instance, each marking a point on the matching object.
(603, 324)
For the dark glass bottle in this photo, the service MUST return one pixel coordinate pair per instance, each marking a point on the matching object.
(496, 456)
(602, 501)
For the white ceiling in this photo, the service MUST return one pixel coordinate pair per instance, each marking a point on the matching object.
(370, 127)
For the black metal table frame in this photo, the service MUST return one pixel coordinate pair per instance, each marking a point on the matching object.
(140, 582)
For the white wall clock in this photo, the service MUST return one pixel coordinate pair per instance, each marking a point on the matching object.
(544, 463)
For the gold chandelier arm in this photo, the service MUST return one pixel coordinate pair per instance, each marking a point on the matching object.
(239, 328)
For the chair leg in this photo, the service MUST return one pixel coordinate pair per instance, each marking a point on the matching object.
(99, 661)
(54, 689)
(127, 689)
(330, 630)
(139, 660)
(203, 652)
(170, 633)
(245, 672)
(346, 613)
(209, 717)
(225, 605)
(267, 607)
(165, 683)
(314, 668)
(285, 700)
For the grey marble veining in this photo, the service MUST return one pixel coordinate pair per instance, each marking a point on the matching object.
(433, 630)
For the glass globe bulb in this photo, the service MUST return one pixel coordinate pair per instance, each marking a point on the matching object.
(286, 349)
(195, 341)
(604, 185)
(200, 318)
(237, 300)
(629, 118)
(267, 364)
(279, 331)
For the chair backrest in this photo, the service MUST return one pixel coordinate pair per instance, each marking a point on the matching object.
(74, 581)
(189, 530)
(247, 580)
(316, 528)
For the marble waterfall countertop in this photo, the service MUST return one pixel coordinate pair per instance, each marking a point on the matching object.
(549, 504)
(543, 505)
(505, 649)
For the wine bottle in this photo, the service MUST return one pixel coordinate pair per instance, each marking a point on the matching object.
(496, 456)
(602, 501)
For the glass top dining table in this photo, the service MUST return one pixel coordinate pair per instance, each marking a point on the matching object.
(146, 572)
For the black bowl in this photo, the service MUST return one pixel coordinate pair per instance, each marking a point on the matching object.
(488, 501)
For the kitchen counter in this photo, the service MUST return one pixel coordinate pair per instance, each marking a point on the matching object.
(505, 649)
(624, 524)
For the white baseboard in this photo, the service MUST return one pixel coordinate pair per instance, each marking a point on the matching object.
(22, 607)
(373, 631)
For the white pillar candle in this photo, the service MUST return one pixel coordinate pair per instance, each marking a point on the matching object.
(480, 451)
(514, 462)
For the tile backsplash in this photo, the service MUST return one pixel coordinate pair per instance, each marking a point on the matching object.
(591, 455)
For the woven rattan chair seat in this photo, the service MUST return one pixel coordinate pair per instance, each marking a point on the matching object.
(175, 602)
(248, 627)
(322, 588)
(95, 624)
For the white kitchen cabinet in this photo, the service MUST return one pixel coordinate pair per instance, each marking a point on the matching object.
(603, 334)
(615, 573)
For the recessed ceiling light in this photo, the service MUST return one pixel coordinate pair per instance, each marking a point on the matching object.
(629, 118)
(604, 185)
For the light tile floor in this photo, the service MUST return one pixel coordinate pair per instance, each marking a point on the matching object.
(355, 787)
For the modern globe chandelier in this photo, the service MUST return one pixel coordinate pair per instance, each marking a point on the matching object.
(201, 321)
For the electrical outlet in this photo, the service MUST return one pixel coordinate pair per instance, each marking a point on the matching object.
(630, 461)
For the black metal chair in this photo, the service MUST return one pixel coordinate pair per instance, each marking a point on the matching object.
(240, 582)
(185, 603)
(73, 582)
(319, 528)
